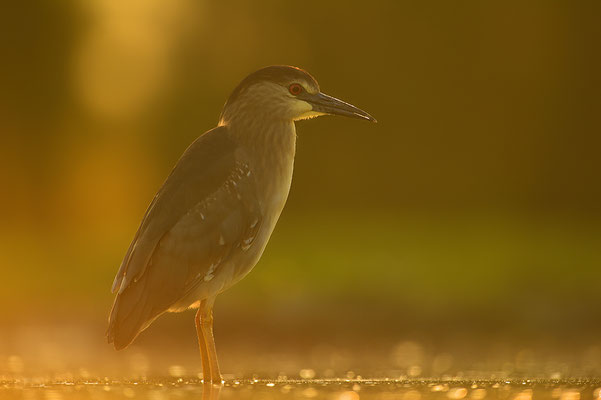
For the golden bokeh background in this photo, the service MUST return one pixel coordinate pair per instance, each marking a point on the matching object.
(460, 233)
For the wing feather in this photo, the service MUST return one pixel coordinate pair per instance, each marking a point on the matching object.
(201, 170)
(206, 212)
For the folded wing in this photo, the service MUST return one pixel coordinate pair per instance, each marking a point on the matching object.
(206, 211)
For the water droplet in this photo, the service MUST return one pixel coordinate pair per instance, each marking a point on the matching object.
(457, 393)
(440, 388)
(307, 373)
(350, 395)
(524, 395)
(570, 394)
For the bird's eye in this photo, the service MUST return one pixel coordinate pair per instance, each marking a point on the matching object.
(295, 89)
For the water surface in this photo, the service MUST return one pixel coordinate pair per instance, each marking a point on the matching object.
(332, 389)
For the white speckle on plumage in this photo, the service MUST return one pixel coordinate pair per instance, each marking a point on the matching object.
(221, 240)
(209, 275)
(246, 243)
(212, 267)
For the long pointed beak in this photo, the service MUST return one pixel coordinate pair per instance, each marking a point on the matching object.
(330, 105)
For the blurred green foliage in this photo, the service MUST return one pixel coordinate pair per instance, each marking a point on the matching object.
(478, 190)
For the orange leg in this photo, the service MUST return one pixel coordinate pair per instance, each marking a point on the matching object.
(204, 357)
(210, 391)
(208, 353)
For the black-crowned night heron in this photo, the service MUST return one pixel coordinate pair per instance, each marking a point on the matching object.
(209, 223)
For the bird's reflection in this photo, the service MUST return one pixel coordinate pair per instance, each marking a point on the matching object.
(210, 391)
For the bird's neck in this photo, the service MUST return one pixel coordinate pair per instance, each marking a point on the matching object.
(263, 136)
(270, 146)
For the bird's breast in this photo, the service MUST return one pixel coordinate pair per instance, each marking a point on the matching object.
(272, 162)
(270, 148)
(276, 164)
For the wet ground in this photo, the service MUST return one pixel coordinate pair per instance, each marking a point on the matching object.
(332, 389)
(73, 362)
(64, 362)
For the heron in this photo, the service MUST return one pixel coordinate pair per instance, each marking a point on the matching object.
(209, 223)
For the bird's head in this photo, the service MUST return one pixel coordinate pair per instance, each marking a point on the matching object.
(284, 93)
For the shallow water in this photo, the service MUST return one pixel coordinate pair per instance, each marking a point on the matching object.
(332, 389)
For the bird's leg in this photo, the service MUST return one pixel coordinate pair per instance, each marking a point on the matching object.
(204, 356)
(206, 326)
(210, 391)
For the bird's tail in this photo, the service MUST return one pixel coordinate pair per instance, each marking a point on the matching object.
(130, 315)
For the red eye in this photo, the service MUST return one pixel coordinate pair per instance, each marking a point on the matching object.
(295, 89)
